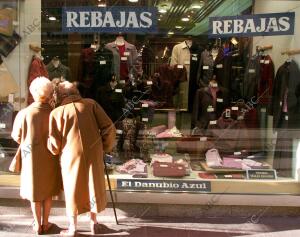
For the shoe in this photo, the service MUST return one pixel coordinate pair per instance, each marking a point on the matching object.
(95, 228)
(68, 232)
(47, 228)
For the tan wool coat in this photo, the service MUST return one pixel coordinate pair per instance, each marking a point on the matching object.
(40, 173)
(79, 132)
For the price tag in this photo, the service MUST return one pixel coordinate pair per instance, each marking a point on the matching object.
(123, 58)
(2, 155)
(145, 119)
(11, 98)
(119, 131)
(286, 117)
(210, 109)
(194, 58)
(263, 110)
(220, 100)
(213, 122)
(179, 66)
(2, 125)
(237, 153)
(118, 90)
(219, 66)
(267, 62)
(126, 53)
(122, 81)
(228, 176)
(235, 108)
(205, 67)
(102, 62)
(203, 139)
(251, 71)
(145, 105)
(187, 62)
(149, 83)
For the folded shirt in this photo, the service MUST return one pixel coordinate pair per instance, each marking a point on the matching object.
(133, 166)
(162, 157)
(169, 133)
(213, 158)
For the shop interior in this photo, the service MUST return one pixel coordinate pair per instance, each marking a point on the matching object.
(185, 106)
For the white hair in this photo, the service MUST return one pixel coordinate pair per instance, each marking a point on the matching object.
(41, 89)
(67, 88)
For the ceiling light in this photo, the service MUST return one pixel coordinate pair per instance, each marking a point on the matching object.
(170, 33)
(102, 5)
(234, 41)
(159, 19)
(162, 10)
(52, 18)
(198, 5)
(178, 27)
(133, 0)
(185, 19)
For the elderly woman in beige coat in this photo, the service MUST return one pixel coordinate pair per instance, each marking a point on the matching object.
(80, 131)
(40, 173)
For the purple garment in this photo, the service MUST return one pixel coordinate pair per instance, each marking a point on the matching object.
(232, 163)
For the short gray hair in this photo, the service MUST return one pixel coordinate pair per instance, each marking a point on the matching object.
(67, 88)
(41, 89)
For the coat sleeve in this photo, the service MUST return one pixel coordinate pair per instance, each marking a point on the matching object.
(55, 134)
(106, 127)
(174, 57)
(17, 127)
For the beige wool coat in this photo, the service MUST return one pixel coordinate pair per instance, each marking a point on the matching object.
(79, 132)
(40, 173)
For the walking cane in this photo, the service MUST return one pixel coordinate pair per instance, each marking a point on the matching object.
(111, 195)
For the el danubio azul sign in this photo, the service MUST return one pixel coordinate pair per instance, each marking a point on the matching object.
(109, 19)
(252, 25)
(168, 185)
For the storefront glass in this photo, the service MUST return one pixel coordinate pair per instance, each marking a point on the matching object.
(200, 104)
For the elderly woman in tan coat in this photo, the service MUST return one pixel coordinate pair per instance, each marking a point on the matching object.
(80, 131)
(40, 173)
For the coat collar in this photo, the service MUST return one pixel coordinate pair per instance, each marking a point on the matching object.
(40, 105)
(70, 99)
(127, 45)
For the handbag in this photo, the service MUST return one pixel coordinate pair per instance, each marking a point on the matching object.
(164, 169)
(16, 164)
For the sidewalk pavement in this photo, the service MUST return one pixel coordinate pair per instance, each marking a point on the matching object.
(20, 226)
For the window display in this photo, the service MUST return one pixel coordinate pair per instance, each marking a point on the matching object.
(189, 105)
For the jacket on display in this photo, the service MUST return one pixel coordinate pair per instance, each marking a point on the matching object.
(207, 108)
(286, 90)
(193, 83)
(206, 68)
(222, 69)
(130, 57)
(59, 71)
(103, 69)
(265, 84)
(112, 101)
(251, 79)
(166, 83)
(80, 132)
(181, 55)
(36, 69)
